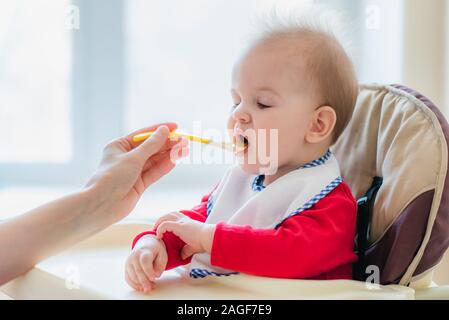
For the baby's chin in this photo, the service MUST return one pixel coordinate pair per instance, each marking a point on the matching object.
(250, 168)
(256, 168)
(251, 163)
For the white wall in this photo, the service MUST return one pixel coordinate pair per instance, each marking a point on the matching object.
(382, 34)
(424, 49)
(446, 63)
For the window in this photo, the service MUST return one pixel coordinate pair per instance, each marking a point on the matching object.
(180, 56)
(60, 89)
(65, 93)
(35, 62)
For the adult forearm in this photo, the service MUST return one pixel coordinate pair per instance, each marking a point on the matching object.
(46, 230)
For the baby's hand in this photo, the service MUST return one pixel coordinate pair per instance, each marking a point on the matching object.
(198, 236)
(146, 262)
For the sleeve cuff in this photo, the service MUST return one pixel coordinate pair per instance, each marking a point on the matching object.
(139, 236)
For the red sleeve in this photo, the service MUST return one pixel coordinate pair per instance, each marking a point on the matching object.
(307, 245)
(172, 242)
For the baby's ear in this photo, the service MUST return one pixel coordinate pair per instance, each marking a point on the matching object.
(322, 125)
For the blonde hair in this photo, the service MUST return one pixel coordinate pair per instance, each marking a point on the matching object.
(327, 63)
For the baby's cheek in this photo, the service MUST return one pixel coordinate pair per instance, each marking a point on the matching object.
(287, 148)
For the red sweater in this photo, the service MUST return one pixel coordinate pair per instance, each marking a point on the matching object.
(315, 244)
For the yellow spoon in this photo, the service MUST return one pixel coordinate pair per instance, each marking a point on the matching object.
(222, 145)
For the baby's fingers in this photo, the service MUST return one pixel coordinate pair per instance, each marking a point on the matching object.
(131, 277)
(172, 216)
(167, 226)
(131, 282)
(146, 262)
(145, 283)
(160, 263)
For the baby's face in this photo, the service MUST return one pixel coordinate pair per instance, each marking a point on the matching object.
(270, 91)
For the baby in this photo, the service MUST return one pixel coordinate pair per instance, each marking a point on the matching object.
(297, 221)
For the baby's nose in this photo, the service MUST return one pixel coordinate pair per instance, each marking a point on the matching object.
(240, 115)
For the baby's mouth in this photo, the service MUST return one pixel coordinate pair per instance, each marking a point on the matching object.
(241, 143)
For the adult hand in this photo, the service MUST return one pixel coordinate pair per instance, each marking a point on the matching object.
(129, 167)
(126, 170)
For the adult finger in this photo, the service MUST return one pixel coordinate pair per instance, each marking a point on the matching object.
(157, 170)
(179, 151)
(170, 149)
(127, 144)
(153, 144)
(129, 138)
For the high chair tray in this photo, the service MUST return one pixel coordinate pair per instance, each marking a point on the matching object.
(94, 269)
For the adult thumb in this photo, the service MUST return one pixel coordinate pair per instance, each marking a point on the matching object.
(154, 143)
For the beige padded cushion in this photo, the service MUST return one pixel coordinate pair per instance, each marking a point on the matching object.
(394, 136)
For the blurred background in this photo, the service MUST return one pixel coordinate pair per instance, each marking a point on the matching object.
(76, 74)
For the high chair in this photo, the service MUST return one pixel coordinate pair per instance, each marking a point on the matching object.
(396, 146)
(393, 155)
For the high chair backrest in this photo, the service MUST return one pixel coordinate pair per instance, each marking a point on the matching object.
(400, 136)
